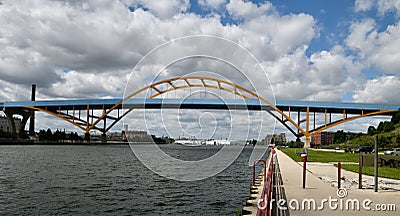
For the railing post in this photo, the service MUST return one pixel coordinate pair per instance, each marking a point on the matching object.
(339, 174)
(253, 182)
(376, 164)
(360, 164)
(254, 170)
(304, 159)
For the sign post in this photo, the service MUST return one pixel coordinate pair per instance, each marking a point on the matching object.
(376, 164)
(304, 159)
(339, 177)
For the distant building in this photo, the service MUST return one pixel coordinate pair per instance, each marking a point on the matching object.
(322, 138)
(5, 124)
(275, 138)
(138, 136)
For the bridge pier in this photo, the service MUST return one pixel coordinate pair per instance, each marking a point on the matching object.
(10, 116)
(104, 137)
(87, 136)
(32, 119)
(307, 142)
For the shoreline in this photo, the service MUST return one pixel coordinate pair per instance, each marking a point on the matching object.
(30, 142)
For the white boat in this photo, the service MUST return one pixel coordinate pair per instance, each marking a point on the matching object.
(188, 142)
(225, 142)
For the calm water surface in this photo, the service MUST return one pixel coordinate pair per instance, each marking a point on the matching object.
(108, 179)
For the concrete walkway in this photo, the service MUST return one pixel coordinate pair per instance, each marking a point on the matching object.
(325, 195)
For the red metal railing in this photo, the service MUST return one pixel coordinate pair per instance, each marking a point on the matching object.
(264, 203)
(254, 170)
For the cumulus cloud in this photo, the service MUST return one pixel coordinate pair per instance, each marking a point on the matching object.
(80, 85)
(383, 6)
(363, 5)
(248, 10)
(75, 49)
(384, 89)
(376, 48)
(97, 37)
(212, 4)
(163, 8)
(324, 76)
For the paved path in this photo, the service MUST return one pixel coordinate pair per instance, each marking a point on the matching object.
(319, 191)
(334, 150)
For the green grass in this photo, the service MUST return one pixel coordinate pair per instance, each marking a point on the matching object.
(386, 172)
(321, 156)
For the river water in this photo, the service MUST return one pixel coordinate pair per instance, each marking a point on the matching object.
(109, 179)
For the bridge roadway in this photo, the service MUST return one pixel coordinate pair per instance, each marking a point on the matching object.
(200, 103)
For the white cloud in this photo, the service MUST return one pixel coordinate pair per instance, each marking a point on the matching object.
(100, 37)
(384, 89)
(325, 76)
(163, 9)
(383, 6)
(80, 85)
(86, 49)
(212, 4)
(248, 10)
(12, 91)
(273, 36)
(363, 5)
(378, 49)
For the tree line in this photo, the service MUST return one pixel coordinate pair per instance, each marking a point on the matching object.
(58, 136)
(385, 126)
(382, 130)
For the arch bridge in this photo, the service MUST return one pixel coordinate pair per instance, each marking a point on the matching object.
(299, 117)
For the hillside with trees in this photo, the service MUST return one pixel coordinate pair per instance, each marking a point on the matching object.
(388, 133)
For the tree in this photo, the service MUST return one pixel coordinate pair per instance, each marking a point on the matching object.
(42, 135)
(383, 141)
(339, 136)
(388, 126)
(49, 135)
(5, 134)
(23, 135)
(396, 118)
(385, 126)
(371, 130)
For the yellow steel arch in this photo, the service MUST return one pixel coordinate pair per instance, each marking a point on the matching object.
(215, 83)
(341, 121)
(56, 115)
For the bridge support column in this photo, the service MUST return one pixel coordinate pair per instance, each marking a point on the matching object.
(307, 142)
(25, 118)
(87, 136)
(11, 121)
(10, 116)
(32, 120)
(104, 137)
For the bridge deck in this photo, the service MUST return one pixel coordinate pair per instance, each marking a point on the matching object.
(198, 103)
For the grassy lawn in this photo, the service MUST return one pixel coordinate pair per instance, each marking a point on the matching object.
(321, 156)
(386, 172)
